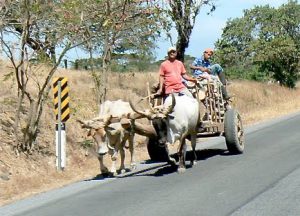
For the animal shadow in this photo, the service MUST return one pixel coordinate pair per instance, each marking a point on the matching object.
(166, 168)
(103, 176)
(100, 177)
(203, 154)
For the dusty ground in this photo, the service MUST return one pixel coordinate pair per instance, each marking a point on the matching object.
(25, 175)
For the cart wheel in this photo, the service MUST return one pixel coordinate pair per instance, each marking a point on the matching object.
(234, 132)
(155, 151)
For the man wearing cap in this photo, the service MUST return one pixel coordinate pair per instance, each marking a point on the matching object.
(171, 72)
(202, 67)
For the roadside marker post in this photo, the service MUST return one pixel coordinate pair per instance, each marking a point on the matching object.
(62, 113)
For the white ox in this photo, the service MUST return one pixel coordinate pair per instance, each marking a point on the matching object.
(180, 115)
(111, 137)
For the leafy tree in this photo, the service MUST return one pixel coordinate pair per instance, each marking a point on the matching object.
(121, 62)
(266, 37)
(121, 26)
(40, 28)
(183, 13)
(37, 27)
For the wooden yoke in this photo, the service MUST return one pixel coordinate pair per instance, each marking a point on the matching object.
(128, 121)
(141, 129)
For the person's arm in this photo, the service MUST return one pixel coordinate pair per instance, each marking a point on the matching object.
(161, 84)
(185, 76)
(188, 78)
(203, 69)
(161, 80)
(196, 65)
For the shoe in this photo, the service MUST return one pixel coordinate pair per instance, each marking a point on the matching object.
(225, 94)
(226, 97)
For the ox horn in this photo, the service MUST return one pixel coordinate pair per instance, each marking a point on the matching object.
(171, 107)
(137, 111)
(95, 123)
(106, 120)
(83, 124)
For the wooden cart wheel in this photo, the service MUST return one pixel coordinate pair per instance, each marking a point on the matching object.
(234, 132)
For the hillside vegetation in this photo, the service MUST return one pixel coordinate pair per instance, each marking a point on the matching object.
(23, 175)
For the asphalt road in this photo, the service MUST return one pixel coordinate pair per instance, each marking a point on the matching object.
(265, 180)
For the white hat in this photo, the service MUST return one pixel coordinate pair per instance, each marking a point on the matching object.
(172, 49)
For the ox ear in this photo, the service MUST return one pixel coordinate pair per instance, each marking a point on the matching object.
(171, 116)
(112, 131)
(95, 124)
(125, 123)
(82, 123)
(91, 132)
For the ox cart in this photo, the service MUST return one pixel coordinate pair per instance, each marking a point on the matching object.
(217, 118)
(180, 117)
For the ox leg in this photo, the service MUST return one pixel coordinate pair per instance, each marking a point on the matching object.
(171, 160)
(114, 157)
(181, 155)
(119, 147)
(194, 156)
(122, 165)
(103, 168)
(131, 149)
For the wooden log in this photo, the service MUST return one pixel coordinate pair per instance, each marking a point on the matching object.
(145, 130)
(141, 129)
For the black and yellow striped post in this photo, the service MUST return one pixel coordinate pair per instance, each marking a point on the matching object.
(64, 98)
(62, 114)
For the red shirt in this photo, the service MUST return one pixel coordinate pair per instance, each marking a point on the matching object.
(172, 73)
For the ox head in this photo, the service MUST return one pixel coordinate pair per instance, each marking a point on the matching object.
(159, 116)
(97, 128)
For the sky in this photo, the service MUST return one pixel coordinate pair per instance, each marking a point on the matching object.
(208, 28)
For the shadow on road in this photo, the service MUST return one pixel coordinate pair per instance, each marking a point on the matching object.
(166, 168)
(201, 155)
(163, 168)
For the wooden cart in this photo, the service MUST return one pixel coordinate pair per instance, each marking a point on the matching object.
(218, 118)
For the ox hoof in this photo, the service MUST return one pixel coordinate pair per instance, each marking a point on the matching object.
(133, 166)
(113, 174)
(181, 170)
(193, 163)
(122, 171)
(172, 161)
(104, 171)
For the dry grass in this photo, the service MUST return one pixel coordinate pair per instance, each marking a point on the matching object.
(22, 176)
(258, 101)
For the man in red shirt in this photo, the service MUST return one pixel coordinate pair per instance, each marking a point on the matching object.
(171, 72)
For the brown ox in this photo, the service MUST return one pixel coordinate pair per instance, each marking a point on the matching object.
(110, 136)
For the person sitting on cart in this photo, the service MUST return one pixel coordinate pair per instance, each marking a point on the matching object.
(171, 74)
(202, 67)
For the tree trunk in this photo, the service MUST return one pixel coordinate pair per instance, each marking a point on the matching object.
(182, 44)
(105, 69)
